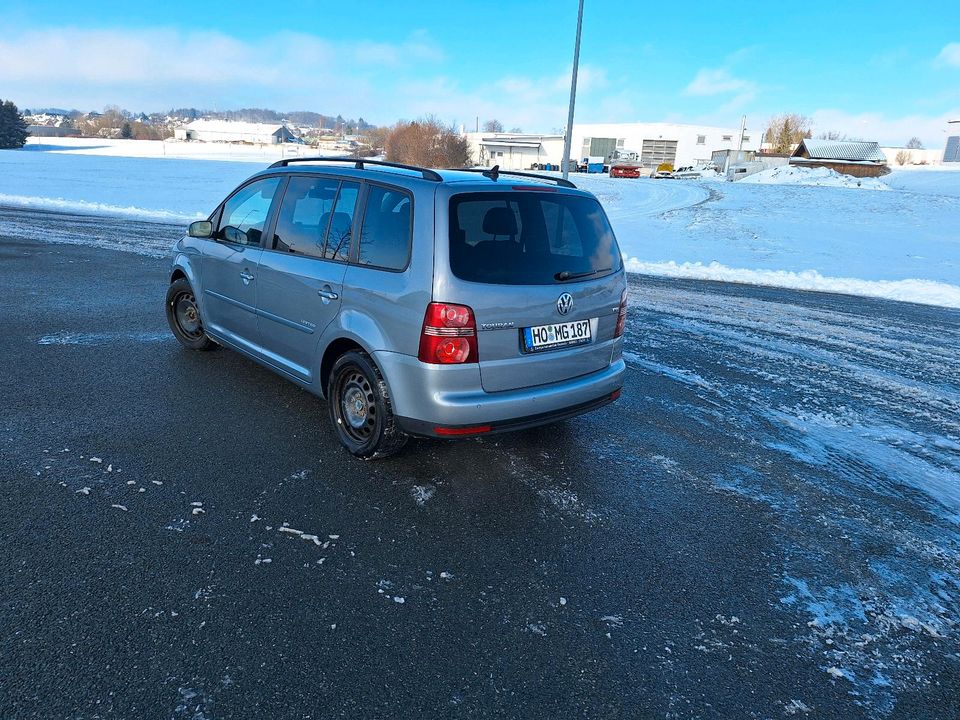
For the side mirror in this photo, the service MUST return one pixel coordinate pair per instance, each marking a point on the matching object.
(200, 229)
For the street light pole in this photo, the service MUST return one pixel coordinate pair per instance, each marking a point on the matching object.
(573, 96)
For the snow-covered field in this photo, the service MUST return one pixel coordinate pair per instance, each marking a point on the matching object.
(895, 238)
(901, 243)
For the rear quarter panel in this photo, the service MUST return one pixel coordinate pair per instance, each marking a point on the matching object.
(383, 310)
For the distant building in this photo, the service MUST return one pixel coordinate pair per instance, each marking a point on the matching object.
(654, 143)
(951, 153)
(236, 132)
(516, 151)
(860, 159)
(675, 143)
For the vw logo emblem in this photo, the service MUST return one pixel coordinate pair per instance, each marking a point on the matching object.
(564, 303)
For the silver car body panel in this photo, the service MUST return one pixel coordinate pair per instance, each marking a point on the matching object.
(285, 319)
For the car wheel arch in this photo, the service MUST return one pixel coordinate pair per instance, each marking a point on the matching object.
(335, 348)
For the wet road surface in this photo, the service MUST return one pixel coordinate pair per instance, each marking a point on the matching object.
(764, 525)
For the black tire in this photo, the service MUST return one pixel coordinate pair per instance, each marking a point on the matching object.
(360, 408)
(183, 315)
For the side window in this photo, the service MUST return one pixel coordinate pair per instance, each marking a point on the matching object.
(245, 213)
(385, 241)
(341, 222)
(304, 215)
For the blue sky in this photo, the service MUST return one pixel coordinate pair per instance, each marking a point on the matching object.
(881, 70)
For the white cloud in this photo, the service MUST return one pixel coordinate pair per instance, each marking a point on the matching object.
(888, 131)
(154, 69)
(719, 81)
(950, 55)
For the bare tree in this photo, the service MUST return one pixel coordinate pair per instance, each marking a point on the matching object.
(786, 130)
(376, 138)
(493, 126)
(427, 142)
(832, 135)
(902, 157)
(518, 131)
(915, 144)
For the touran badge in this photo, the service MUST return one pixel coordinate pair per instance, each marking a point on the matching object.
(564, 303)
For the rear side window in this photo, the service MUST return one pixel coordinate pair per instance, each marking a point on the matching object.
(304, 215)
(341, 222)
(385, 240)
(530, 238)
(316, 217)
(245, 212)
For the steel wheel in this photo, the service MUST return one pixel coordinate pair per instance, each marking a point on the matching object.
(358, 405)
(187, 315)
(183, 315)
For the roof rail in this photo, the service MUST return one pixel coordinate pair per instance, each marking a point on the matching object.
(495, 171)
(358, 163)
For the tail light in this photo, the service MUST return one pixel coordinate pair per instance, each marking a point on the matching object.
(449, 335)
(622, 315)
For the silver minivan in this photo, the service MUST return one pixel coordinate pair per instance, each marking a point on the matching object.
(434, 303)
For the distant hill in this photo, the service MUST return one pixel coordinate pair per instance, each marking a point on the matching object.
(265, 115)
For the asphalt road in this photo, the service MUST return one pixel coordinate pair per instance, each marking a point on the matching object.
(764, 525)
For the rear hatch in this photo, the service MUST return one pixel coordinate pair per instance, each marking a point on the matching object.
(541, 269)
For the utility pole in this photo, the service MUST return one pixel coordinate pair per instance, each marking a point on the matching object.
(573, 95)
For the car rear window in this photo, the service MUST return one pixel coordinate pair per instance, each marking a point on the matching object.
(530, 238)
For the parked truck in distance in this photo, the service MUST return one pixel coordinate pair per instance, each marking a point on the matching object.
(626, 164)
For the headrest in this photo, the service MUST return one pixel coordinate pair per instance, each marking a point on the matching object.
(341, 221)
(322, 192)
(500, 221)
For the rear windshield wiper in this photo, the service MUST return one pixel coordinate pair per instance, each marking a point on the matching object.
(567, 275)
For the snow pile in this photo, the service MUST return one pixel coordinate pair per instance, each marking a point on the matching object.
(927, 292)
(703, 175)
(83, 207)
(796, 175)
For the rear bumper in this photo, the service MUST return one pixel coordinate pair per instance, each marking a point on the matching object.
(421, 428)
(426, 397)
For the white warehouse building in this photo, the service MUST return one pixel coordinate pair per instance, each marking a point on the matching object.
(231, 131)
(675, 143)
(515, 151)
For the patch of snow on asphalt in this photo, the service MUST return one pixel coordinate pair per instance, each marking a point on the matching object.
(422, 494)
(100, 338)
(684, 376)
(881, 456)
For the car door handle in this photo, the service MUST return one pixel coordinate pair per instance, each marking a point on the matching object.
(246, 277)
(327, 294)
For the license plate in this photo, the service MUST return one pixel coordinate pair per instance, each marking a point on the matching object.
(558, 335)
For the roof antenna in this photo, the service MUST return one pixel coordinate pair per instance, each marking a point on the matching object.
(493, 173)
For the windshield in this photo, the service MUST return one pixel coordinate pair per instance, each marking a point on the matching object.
(530, 238)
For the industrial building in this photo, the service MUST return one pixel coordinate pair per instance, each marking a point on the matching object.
(237, 132)
(655, 143)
